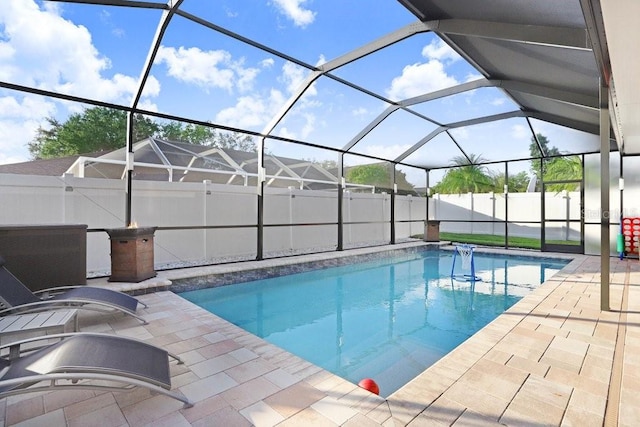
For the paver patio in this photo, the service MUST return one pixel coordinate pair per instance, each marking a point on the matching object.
(554, 358)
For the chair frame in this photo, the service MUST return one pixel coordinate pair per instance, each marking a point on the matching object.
(47, 302)
(76, 380)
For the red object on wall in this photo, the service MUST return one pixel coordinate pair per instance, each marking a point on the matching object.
(631, 233)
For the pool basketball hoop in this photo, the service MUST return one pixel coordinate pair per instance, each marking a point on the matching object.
(467, 264)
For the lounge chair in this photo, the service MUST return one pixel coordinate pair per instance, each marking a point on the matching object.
(85, 360)
(17, 298)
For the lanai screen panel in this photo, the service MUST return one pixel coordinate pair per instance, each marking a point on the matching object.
(207, 76)
(300, 29)
(438, 152)
(235, 64)
(70, 53)
(567, 140)
(329, 114)
(417, 65)
(466, 105)
(393, 136)
(495, 141)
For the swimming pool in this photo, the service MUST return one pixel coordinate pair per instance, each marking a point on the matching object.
(387, 319)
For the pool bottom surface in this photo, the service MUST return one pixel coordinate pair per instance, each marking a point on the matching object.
(387, 320)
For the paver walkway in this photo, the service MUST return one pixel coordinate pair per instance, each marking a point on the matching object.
(554, 358)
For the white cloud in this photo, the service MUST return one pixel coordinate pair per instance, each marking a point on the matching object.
(293, 76)
(361, 111)
(147, 105)
(14, 136)
(19, 121)
(498, 101)
(520, 132)
(471, 77)
(440, 51)
(286, 133)
(309, 125)
(207, 69)
(251, 111)
(230, 13)
(461, 133)
(29, 107)
(41, 49)
(246, 78)
(418, 79)
(151, 87)
(192, 65)
(6, 52)
(255, 110)
(293, 10)
(267, 63)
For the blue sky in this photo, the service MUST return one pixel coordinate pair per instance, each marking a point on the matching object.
(98, 52)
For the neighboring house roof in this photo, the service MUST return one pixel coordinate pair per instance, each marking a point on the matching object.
(47, 167)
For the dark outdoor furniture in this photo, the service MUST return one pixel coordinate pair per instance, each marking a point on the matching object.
(17, 298)
(85, 360)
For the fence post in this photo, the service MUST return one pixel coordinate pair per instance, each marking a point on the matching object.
(206, 192)
(471, 211)
(492, 197)
(567, 197)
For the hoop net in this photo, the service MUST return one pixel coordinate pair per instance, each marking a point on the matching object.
(466, 252)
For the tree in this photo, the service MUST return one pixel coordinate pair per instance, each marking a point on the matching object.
(536, 154)
(468, 176)
(555, 168)
(375, 174)
(380, 176)
(563, 169)
(95, 129)
(204, 135)
(104, 129)
(518, 183)
(235, 140)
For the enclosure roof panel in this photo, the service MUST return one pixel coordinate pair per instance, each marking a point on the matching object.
(379, 81)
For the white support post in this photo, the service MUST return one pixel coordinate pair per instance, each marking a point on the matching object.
(605, 225)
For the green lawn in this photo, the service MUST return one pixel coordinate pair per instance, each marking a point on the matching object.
(491, 240)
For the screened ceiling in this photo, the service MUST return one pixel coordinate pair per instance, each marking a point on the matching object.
(414, 82)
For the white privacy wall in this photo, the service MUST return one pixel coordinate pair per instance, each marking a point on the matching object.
(473, 209)
(100, 204)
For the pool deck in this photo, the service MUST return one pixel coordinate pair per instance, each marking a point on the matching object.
(554, 358)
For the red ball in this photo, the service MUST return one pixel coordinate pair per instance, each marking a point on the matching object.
(370, 385)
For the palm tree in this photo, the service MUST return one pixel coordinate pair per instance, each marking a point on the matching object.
(563, 169)
(468, 176)
(517, 182)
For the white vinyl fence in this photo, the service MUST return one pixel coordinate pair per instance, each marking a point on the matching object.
(477, 210)
(100, 204)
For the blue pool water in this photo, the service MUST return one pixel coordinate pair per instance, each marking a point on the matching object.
(388, 320)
